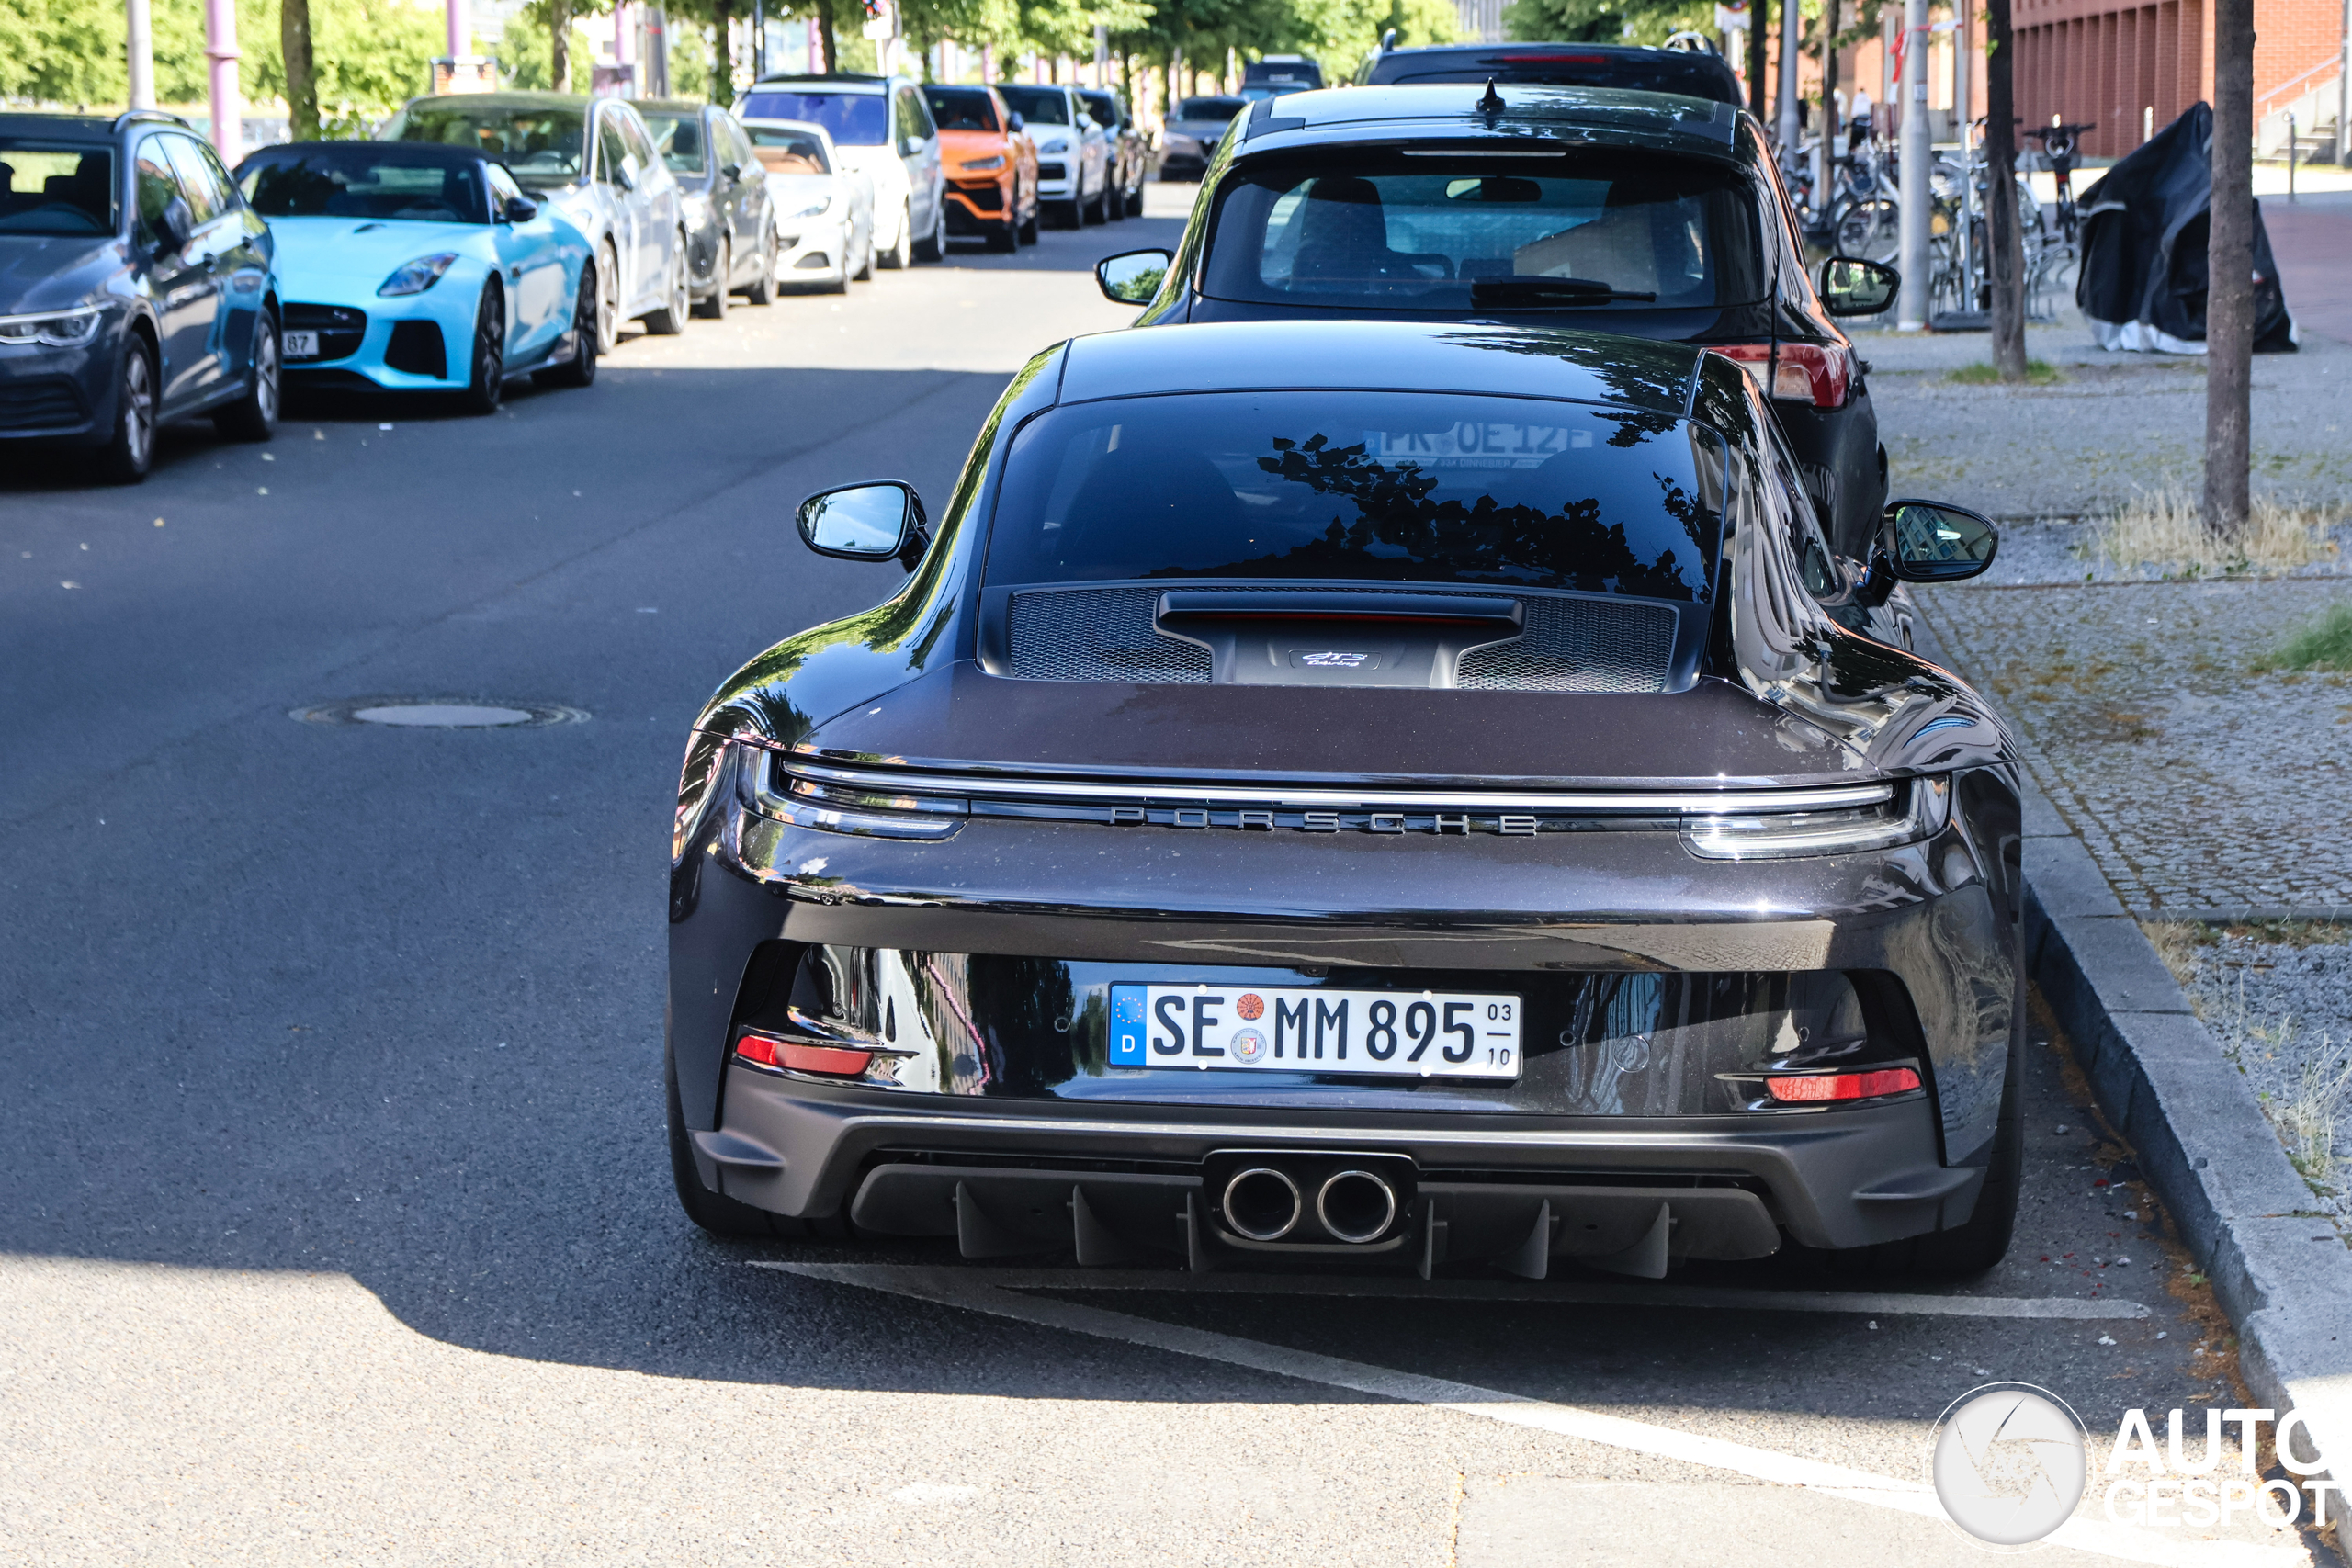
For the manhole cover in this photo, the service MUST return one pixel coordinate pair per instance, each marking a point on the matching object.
(440, 713)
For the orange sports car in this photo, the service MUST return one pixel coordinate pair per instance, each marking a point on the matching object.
(991, 165)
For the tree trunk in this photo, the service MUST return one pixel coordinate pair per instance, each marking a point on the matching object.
(2006, 263)
(722, 54)
(2228, 299)
(825, 36)
(1756, 10)
(560, 45)
(301, 78)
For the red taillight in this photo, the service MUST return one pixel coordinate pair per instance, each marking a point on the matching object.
(773, 1053)
(1815, 373)
(1803, 1089)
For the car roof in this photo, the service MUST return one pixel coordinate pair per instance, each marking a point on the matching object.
(769, 122)
(1421, 356)
(414, 152)
(1410, 62)
(831, 84)
(1449, 112)
(75, 127)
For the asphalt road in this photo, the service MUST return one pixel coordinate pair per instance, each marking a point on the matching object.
(334, 1215)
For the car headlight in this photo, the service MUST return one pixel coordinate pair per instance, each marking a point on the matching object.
(1823, 822)
(980, 165)
(815, 209)
(55, 328)
(416, 277)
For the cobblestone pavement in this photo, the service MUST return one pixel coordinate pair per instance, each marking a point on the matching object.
(2113, 424)
(2200, 785)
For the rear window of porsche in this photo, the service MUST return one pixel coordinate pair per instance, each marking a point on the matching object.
(1358, 486)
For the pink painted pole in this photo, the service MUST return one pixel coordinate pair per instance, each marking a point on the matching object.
(228, 108)
(460, 31)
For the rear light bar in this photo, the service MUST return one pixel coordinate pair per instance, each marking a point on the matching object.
(1804, 1088)
(770, 1051)
(1815, 373)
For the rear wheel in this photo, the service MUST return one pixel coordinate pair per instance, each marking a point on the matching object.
(763, 291)
(130, 451)
(608, 301)
(1134, 196)
(580, 369)
(1099, 209)
(719, 1214)
(1072, 214)
(933, 247)
(253, 417)
(715, 308)
(671, 319)
(900, 255)
(487, 387)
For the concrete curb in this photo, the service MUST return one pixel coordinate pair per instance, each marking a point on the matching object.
(2277, 1268)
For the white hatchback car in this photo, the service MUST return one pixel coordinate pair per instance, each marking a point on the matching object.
(824, 211)
(879, 126)
(1073, 151)
(594, 162)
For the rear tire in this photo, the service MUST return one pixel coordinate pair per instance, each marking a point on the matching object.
(1072, 214)
(1135, 198)
(1099, 209)
(719, 1214)
(129, 452)
(933, 247)
(580, 369)
(715, 308)
(253, 417)
(608, 301)
(487, 387)
(901, 256)
(764, 292)
(671, 319)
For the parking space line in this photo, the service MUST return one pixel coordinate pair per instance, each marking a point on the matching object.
(963, 1288)
(1579, 1292)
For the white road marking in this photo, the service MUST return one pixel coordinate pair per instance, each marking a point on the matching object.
(1593, 1293)
(961, 1288)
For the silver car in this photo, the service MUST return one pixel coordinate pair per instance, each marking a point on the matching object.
(593, 160)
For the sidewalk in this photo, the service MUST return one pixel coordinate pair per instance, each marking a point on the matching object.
(2312, 239)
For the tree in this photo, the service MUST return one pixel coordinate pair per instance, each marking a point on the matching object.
(1607, 21)
(2007, 242)
(301, 80)
(2229, 267)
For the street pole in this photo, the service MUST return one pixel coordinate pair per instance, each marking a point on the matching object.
(2229, 270)
(221, 49)
(460, 35)
(1911, 313)
(2344, 92)
(1791, 49)
(142, 29)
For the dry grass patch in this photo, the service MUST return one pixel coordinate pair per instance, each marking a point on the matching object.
(2164, 528)
(2176, 943)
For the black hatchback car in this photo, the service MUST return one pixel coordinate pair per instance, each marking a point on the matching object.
(1368, 793)
(1630, 212)
(1694, 73)
(722, 199)
(135, 288)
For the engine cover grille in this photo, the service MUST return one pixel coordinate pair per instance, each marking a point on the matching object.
(1578, 645)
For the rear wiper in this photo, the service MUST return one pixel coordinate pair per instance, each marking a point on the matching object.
(1548, 291)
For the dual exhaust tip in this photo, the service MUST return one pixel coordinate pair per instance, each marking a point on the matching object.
(1265, 1203)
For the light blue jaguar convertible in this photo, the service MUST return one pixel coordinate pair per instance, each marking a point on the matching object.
(406, 266)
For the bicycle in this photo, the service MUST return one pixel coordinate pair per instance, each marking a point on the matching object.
(1865, 217)
(2058, 147)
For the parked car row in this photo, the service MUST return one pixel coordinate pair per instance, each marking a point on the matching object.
(480, 237)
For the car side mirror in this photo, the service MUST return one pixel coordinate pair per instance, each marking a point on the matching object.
(883, 521)
(912, 147)
(1133, 277)
(174, 225)
(1016, 123)
(518, 209)
(1852, 287)
(1927, 541)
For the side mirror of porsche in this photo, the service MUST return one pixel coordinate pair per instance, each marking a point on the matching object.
(1929, 541)
(1852, 287)
(883, 521)
(1133, 277)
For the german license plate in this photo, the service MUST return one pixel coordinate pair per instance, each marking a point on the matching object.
(301, 345)
(1412, 1034)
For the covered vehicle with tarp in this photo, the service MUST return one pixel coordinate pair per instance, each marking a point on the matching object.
(2142, 280)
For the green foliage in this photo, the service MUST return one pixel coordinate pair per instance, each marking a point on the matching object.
(2325, 644)
(2037, 373)
(1607, 21)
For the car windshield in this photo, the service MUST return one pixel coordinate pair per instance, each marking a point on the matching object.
(1458, 231)
(678, 138)
(379, 180)
(854, 119)
(1217, 109)
(1039, 105)
(55, 188)
(1101, 107)
(784, 150)
(961, 108)
(1392, 487)
(541, 145)
(1254, 91)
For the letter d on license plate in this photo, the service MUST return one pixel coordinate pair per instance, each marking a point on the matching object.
(1449, 1034)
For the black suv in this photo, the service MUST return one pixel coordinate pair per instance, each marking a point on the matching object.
(1635, 213)
(1695, 73)
(136, 287)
